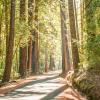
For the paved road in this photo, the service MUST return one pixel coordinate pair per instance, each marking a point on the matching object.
(45, 87)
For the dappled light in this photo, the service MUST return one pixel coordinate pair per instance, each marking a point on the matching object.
(50, 49)
(37, 90)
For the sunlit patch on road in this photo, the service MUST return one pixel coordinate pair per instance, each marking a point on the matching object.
(43, 87)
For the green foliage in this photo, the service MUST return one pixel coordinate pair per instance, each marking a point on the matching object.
(88, 83)
(1, 73)
(93, 50)
(92, 47)
(22, 33)
(49, 29)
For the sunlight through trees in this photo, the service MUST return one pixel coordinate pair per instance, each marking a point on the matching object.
(38, 36)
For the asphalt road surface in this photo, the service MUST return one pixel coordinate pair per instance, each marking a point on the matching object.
(45, 87)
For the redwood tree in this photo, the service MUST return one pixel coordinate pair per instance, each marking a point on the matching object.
(31, 6)
(9, 47)
(52, 63)
(75, 54)
(46, 57)
(23, 50)
(65, 50)
(35, 50)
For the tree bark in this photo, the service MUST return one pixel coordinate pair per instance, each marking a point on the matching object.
(75, 54)
(9, 48)
(46, 59)
(52, 63)
(31, 4)
(65, 50)
(7, 20)
(76, 21)
(35, 50)
(23, 50)
(0, 33)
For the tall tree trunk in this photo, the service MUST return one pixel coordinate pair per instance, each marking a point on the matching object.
(7, 20)
(9, 48)
(82, 21)
(52, 63)
(76, 20)
(46, 58)
(31, 6)
(35, 50)
(75, 54)
(1, 32)
(65, 50)
(23, 50)
(81, 35)
(29, 63)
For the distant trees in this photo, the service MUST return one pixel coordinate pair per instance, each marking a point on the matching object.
(32, 25)
(21, 36)
(52, 62)
(46, 57)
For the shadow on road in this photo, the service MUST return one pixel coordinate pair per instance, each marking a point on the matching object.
(21, 92)
(53, 94)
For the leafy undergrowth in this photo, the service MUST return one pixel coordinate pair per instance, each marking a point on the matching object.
(71, 93)
(88, 81)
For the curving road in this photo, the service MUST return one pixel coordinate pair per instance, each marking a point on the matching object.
(45, 87)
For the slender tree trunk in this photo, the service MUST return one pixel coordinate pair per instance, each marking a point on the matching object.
(7, 20)
(9, 49)
(75, 54)
(35, 50)
(65, 50)
(31, 4)
(46, 59)
(23, 50)
(52, 63)
(0, 33)
(29, 64)
(81, 35)
(82, 20)
(76, 20)
(0, 25)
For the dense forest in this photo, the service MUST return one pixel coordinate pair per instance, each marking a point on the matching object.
(38, 36)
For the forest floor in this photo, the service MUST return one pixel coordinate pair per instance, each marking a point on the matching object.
(45, 87)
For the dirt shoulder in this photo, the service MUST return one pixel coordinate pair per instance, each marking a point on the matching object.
(15, 84)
